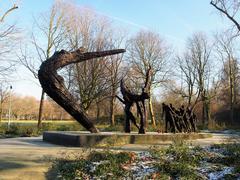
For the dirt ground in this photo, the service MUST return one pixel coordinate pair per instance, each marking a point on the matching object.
(30, 158)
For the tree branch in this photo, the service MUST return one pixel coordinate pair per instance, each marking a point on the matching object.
(8, 11)
(224, 11)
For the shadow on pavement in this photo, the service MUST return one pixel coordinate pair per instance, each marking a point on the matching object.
(37, 142)
(7, 165)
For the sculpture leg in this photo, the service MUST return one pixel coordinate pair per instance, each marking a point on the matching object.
(177, 124)
(164, 117)
(166, 125)
(187, 123)
(172, 122)
(127, 127)
(140, 107)
(182, 125)
(193, 123)
(173, 127)
(133, 119)
(189, 126)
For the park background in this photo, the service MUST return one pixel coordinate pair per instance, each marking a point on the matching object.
(194, 58)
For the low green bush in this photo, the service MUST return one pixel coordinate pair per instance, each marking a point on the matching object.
(178, 160)
(30, 129)
(230, 155)
(120, 128)
(112, 128)
(29, 132)
(69, 170)
(177, 169)
(24, 131)
(13, 130)
(63, 128)
(121, 157)
(109, 166)
(2, 129)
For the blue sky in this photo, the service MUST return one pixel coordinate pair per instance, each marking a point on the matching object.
(175, 20)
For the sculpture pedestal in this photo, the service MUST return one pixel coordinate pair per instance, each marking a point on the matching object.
(86, 139)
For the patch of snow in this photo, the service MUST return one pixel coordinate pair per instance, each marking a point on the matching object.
(220, 174)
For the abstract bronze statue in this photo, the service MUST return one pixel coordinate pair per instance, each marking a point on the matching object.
(179, 120)
(129, 99)
(53, 84)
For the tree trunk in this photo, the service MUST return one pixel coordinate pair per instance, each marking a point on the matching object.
(40, 112)
(151, 112)
(53, 84)
(231, 112)
(204, 109)
(231, 92)
(112, 115)
(61, 114)
(1, 109)
(208, 111)
(98, 111)
(203, 112)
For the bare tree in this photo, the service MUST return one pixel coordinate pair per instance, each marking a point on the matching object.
(195, 74)
(49, 26)
(200, 51)
(188, 79)
(4, 96)
(26, 107)
(8, 37)
(226, 51)
(230, 10)
(148, 49)
(115, 73)
(90, 32)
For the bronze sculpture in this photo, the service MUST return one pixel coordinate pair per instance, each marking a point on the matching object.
(53, 84)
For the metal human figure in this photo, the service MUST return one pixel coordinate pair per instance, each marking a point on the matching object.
(128, 114)
(184, 119)
(192, 119)
(130, 98)
(169, 119)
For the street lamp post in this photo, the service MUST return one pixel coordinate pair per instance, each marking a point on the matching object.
(9, 108)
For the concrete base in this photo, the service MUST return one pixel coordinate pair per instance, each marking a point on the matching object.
(86, 139)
